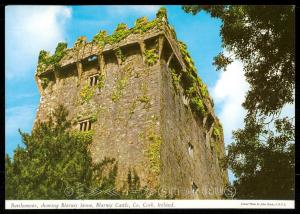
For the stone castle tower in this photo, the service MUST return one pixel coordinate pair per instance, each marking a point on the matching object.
(138, 91)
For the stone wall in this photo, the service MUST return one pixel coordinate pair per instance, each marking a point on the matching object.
(139, 116)
(180, 130)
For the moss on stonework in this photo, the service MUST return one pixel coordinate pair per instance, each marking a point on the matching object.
(141, 26)
(119, 34)
(99, 38)
(146, 100)
(151, 56)
(91, 115)
(118, 91)
(81, 41)
(161, 13)
(120, 55)
(86, 93)
(46, 60)
(176, 79)
(44, 82)
(198, 107)
(101, 81)
(216, 148)
(132, 108)
(154, 152)
(217, 130)
(194, 88)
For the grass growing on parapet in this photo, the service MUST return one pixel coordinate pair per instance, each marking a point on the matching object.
(154, 152)
(119, 34)
(141, 25)
(101, 39)
(87, 92)
(45, 59)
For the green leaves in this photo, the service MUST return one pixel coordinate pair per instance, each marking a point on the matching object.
(56, 164)
(198, 107)
(46, 60)
(267, 167)
(118, 91)
(51, 160)
(99, 38)
(45, 82)
(151, 56)
(161, 13)
(154, 152)
(175, 79)
(221, 61)
(86, 93)
(263, 38)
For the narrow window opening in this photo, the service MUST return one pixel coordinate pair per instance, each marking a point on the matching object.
(85, 125)
(190, 149)
(93, 80)
(96, 80)
(90, 125)
(194, 188)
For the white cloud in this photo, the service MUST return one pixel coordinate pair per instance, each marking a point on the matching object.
(28, 29)
(19, 117)
(229, 92)
(142, 10)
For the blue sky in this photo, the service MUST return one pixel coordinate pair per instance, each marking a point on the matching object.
(28, 29)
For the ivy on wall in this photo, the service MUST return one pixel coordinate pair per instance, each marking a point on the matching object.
(120, 55)
(44, 82)
(86, 93)
(101, 81)
(176, 78)
(151, 56)
(141, 26)
(154, 152)
(118, 91)
(45, 59)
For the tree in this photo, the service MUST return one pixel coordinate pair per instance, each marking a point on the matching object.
(55, 163)
(263, 38)
(263, 160)
(52, 162)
